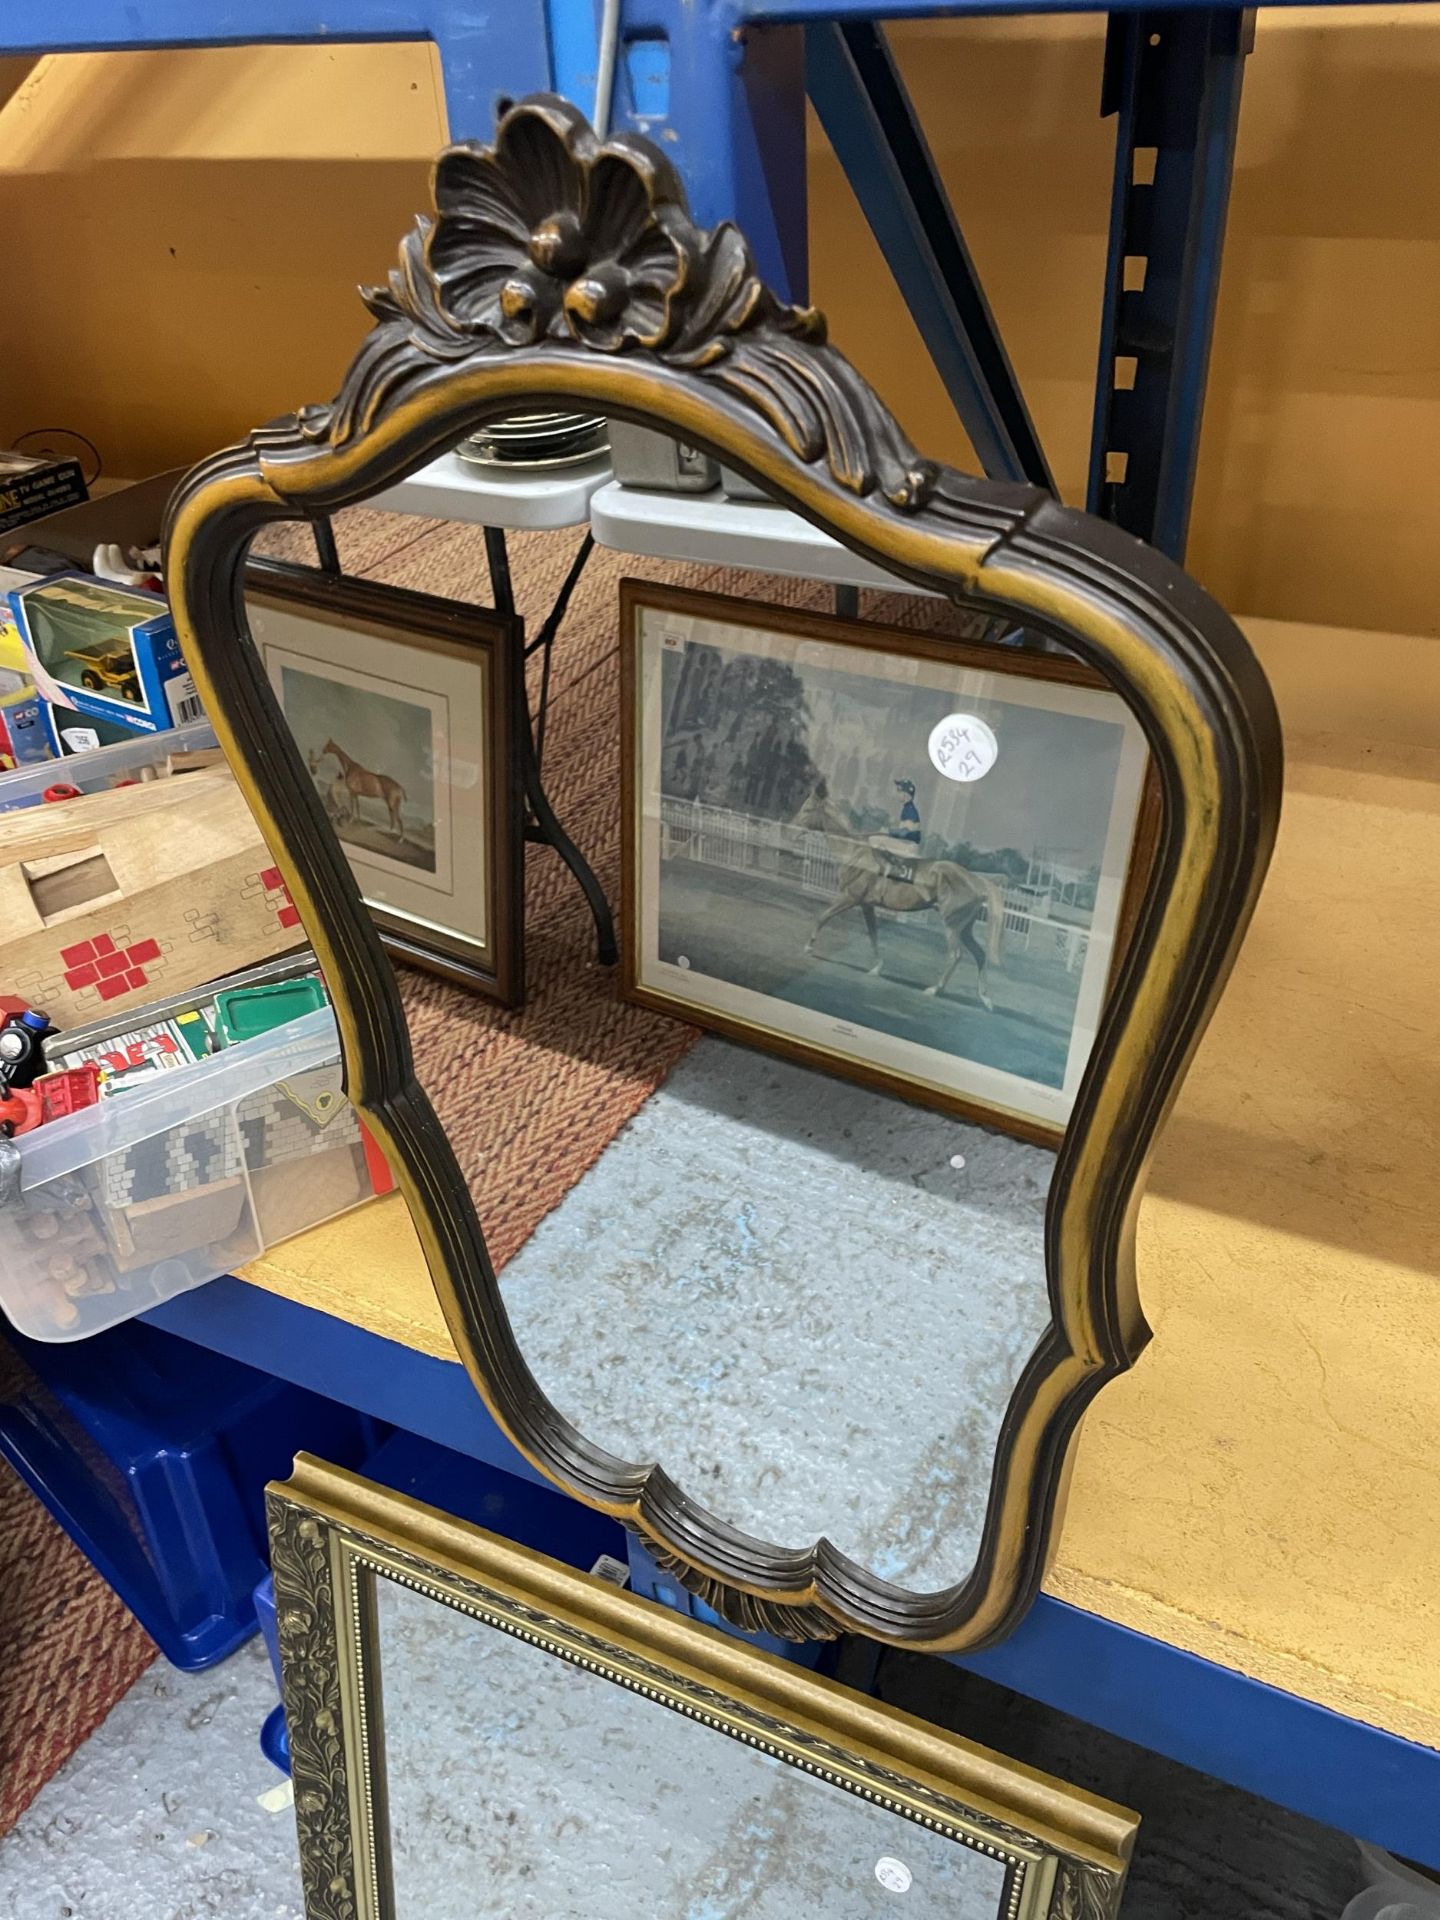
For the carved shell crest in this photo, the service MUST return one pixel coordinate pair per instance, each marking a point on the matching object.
(552, 238)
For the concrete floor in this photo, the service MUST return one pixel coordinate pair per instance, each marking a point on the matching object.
(159, 1816)
(169, 1811)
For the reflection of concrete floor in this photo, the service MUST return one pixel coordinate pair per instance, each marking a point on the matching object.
(157, 1816)
(778, 1283)
(524, 1788)
(751, 930)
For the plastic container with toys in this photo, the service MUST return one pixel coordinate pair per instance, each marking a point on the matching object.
(138, 757)
(183, 1176)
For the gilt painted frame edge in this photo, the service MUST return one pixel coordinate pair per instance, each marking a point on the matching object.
(501, 637)
(757, 385)
(636, 597)
(1066, 1850)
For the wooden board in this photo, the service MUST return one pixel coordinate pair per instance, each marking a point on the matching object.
(123, 897)
(1264, 1488)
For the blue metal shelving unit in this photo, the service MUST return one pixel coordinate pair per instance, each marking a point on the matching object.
(724, 84)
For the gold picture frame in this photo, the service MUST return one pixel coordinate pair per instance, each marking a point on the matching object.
(1061, 1853)
(563, 270)
(658, 625)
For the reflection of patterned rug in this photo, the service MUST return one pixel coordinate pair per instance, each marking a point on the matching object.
(531, 1099)
(69, 1648)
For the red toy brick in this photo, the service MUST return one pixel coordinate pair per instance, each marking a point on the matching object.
(143, 952)
(77, 956)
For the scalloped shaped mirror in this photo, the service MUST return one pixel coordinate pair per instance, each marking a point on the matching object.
(951, 892)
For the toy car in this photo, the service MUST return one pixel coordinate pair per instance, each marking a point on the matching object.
(114, 670)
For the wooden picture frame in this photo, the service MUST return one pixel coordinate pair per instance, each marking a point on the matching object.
(639, 1690)
(560, 269)
(798, 855)
(433, 684)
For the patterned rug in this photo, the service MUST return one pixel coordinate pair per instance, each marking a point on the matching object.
(530, 1099)
(69, 1648)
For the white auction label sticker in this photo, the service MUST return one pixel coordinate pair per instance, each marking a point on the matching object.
(607, 1567)
(963, 747)
(893, 1875)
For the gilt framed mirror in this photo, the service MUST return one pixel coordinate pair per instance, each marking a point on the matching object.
(825, 1350)
(478, 1732)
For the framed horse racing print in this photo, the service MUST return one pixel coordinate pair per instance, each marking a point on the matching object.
(907, 859)
(404, 708)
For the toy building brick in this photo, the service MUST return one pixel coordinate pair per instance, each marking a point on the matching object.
(304, 1151)
(119, 898)
(180, 1190)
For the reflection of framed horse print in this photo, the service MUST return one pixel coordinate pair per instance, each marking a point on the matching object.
(404, 709)
(908, 859)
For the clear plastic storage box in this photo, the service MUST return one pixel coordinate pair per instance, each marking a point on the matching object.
(104, 767)
(128, 1203)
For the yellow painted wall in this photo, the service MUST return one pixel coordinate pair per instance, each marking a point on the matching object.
(183, 233)
(188, 230)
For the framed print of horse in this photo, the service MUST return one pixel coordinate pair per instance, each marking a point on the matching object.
(401, 705)
(909, 860)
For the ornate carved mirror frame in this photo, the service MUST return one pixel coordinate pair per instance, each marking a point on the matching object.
(564, 272)
(338, 1543)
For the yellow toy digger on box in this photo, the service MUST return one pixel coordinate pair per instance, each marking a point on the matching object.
(113, 670)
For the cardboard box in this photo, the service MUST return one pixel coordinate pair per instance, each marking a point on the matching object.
(25, 735)
(68, 733)
(104, 650)
(129, 516)
(30, 489)
(124, 897)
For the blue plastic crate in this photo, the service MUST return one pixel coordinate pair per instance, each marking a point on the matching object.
(153, 1455)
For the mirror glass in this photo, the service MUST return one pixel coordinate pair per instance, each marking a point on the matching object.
(783, 1287)
(768, 1198)
(520, 1784)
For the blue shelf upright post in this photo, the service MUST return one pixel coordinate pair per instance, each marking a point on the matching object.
(1173, 80)
(726, 100)
(875, 132)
